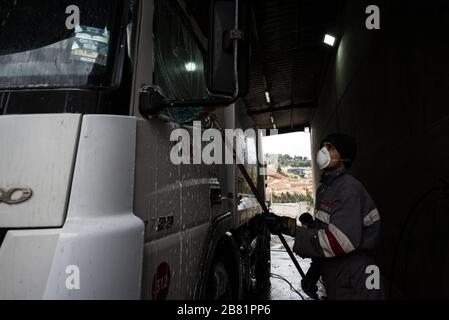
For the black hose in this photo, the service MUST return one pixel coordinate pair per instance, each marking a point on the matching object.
(277, 276)
(262, 203)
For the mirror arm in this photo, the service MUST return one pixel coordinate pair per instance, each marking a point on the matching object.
(198, 103)
(236, 36)
(153, 102)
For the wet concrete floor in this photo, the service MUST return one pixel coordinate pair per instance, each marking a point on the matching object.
(282, 266)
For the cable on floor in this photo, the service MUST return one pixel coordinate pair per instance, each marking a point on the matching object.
(277, 276)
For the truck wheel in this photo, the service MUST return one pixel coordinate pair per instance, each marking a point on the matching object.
(262, 263)
(219, 282)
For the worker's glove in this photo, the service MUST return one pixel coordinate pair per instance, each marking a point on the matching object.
(307, 220)
(278, 225)
(309, 286)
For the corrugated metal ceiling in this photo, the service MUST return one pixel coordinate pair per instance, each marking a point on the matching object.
(288, 59)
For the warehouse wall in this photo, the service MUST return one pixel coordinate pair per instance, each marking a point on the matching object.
(389, 88)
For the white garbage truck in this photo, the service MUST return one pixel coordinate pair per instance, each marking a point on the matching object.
(91, 204)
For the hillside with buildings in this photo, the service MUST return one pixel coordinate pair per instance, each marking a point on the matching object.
(289, 180)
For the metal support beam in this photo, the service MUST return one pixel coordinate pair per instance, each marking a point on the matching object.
(293, 129)
(305, 105)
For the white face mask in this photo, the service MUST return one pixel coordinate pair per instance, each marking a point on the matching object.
(323, 158)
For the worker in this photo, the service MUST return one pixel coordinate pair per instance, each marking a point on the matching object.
(347, 227)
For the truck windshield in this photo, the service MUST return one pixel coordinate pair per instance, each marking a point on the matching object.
(40, 45)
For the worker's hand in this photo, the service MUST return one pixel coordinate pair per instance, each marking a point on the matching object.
(310, 288)
(278, 225)
(307, 220)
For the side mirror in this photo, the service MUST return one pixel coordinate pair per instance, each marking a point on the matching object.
(229, 48)
(227, 65)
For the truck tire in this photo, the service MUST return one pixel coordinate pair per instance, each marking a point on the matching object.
(262, 263)
(219, 283)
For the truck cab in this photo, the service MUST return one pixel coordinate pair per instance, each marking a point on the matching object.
(91, 204)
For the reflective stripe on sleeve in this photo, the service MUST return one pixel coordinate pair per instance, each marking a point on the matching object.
(342, 239)
(322, 216)
(371, 218)
(324, 243)
(334, 242)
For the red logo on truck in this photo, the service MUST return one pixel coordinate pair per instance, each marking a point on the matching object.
(161, 282)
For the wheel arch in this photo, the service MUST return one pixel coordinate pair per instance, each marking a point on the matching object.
(220, 242)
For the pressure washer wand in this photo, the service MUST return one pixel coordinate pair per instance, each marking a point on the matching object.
(261, 202)
(267, 212)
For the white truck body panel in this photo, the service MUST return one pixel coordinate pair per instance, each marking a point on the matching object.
(182, 193)
(101, 236)
(121, 187)
(25, 261)
(37, 152)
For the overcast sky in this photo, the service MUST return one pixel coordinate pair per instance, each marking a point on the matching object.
(294, 144)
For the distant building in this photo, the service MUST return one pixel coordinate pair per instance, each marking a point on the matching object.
(303, 172)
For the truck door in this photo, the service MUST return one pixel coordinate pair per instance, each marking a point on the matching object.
(174, 201)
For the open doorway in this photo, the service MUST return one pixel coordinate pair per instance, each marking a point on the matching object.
(290, 192)
(289, 185)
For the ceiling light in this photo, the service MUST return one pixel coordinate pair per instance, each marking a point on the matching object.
(268, 97)
(329, 40)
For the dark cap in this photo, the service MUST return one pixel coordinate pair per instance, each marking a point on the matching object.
(345, 145)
